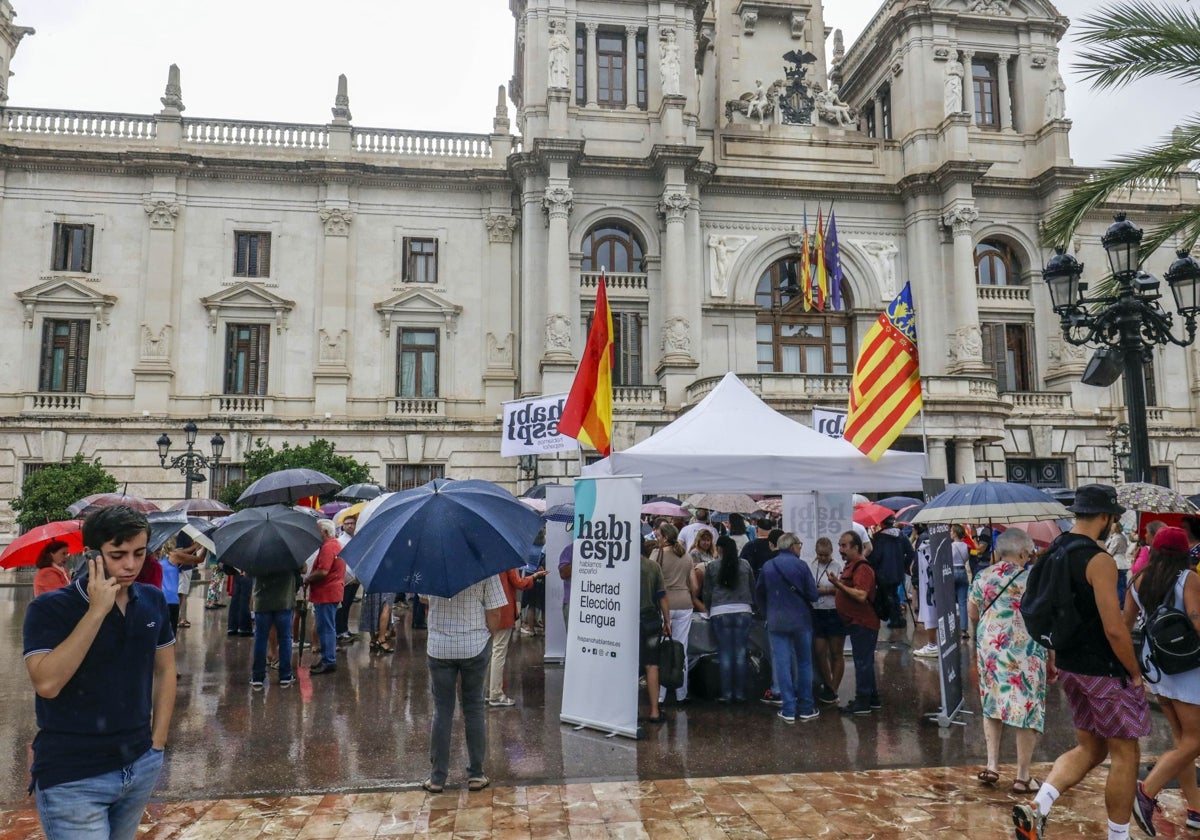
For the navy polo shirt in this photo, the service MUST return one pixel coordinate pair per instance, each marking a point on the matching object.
(100, 721)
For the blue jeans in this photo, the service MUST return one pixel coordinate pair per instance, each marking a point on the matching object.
(444, 675)
(1122, 584)
(104, 807)
(732, 631)
(281, 620)
(791, 662)
(326, 616)
(862, 642)
(961, 584)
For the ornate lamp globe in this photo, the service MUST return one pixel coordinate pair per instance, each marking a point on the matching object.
(1062, 275)
(1121, 242)
(1184, 279)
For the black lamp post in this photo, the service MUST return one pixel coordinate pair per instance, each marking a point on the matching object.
(1126, 325)
(190, 463)
(1118, 444)
(529, 468)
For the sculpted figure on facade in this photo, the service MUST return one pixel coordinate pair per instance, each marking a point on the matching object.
(1056, 100)
(831, 108)
(156, 345)
(668, 63)
(677, 337)
(759, 102)
(336, 220)
(990, 7)
(162, 213)
(558, 333)
(953, 95)
(724, 251)
(966, 344)
(883, 255)
(559, 52)
(500, 228)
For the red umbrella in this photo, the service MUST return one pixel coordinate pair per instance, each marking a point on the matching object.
(869, 514)
(93, 503)
(24, 550)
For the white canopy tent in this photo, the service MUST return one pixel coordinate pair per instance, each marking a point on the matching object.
(733, 442)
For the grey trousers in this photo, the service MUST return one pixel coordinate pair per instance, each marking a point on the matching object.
(444, 677)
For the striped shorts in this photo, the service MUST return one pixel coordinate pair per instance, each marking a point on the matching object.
(1107, 707)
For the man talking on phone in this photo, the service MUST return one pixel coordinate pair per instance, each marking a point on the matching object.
(101, 656)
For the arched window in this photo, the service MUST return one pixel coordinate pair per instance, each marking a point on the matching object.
(615, 248)
(996, 265)
(791, 340)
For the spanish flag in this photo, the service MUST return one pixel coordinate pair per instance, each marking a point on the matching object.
(588, 413)
(821, 278)
(885, 392)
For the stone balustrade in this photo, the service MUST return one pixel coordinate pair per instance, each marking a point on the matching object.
(98, 124)
(233, 404)
(393, 141)
(1002, 294)
(210, 132)
(834, 387)
(406, 407)
(639, 396)
(615, 281)
(1039, 402)
(57, 403)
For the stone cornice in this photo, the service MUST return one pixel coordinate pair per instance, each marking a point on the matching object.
(809, 190)
(945, 176)
(664, 156)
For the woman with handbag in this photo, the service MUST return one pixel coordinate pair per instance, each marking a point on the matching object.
(1168, 578)
(1012, 666)
(677, 574)
(727, 585)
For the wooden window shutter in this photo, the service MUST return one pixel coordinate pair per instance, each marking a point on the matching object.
(241, 255)
(58, 257)
(995, 353)
(629, 340)
(260, 338)
(264, 255)
(78, 344)
(230, 358)
(85, 262)
(433, 278)
(406, 260)
(45, 378)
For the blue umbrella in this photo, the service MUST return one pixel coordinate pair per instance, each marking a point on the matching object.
(166, 524)
(991, 501)
(561, 513)
(441, 538)
(898, 503)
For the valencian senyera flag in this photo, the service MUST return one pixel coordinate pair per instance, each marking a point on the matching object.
(885, 392)
(588, 413)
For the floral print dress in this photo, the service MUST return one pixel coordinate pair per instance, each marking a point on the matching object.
(1012, 666)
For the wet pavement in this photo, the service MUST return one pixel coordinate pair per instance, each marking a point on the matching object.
(366, 728)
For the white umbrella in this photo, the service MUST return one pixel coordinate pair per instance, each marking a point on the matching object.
(723, 502)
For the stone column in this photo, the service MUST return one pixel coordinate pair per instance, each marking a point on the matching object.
(153, 374)
(1006, 111)
(557, 201)
(631, 67)
(964, 461)
(592, 63)
(935, 459)
(499, 375)
(965, 342)
(877, 104)
(678, 362)
(969, 86)
(331, 375)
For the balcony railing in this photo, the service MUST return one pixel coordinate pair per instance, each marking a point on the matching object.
(614, 281)
(1039, 402)
(392, 141)
(216, 132)
(78, 123)
(404, 407)
(1002, 294)
(814, 386)
(59, 403)
(230, 404)
(638, 396)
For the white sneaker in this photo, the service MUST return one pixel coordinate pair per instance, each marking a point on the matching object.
(929, 651)
(502, 700)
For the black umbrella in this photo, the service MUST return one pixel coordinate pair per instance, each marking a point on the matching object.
(202, 507)
(360, 492)
(267, 539)
(668, 499)
(898, 503)
(286, 487)
(166, 524)
(538, 491)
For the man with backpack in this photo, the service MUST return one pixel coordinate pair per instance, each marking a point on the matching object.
(1071, 606)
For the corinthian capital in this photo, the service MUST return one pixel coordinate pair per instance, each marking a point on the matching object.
(960, 219)
(674, 205)
(558, 201)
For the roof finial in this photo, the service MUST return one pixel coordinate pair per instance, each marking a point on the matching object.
(341, 103)
(172, 98)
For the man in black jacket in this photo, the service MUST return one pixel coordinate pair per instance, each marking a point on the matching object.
(891, 558)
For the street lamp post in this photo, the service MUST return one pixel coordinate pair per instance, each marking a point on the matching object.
(191, 462)
(1127, 324)
(1118, 444)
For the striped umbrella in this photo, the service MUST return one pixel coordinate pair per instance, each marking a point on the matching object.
(991, 501)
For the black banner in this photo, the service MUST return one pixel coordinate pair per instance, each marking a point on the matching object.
(941, 565)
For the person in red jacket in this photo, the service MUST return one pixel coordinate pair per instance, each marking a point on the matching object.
(512, 581)
(326, 582)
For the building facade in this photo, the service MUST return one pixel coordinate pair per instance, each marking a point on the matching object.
(388, 289)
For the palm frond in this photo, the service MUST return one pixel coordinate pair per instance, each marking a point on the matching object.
(1133, 40)
(1185, 226)
(1156, 163)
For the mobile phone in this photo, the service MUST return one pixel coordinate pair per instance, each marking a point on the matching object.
(92, 554)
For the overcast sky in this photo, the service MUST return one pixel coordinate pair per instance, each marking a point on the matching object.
(417, 65)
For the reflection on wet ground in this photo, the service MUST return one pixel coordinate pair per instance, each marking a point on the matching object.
(366, 727)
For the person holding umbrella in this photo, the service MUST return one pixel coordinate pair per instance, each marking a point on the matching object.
(52, 568)
(326, 582)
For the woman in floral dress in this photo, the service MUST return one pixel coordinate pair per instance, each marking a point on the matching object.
(1012, 667)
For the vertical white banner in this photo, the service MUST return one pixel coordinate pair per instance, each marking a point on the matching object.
(558, 539)
(813, 515)
(600, 683)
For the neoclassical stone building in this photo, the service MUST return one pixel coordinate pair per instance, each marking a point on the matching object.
(387, 289)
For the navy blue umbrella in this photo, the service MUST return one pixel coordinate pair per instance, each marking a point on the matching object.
(442, 537)
(991, 501)
(898, 503)
(269, 539)
(561, 513)
(166, 524)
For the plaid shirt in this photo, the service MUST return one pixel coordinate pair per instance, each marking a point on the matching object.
(458, 626)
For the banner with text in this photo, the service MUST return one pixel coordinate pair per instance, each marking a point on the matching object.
(830, 423)
(531, 427)
(941, 565)
(601, 681)
(558, 541)
(813, 515)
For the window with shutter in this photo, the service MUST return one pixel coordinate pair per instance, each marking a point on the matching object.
(1006, 349)
(1151, 383)
(420, 260)
(73, 247)
(247, 356)
(627, 345)
(641, 70)
(409, 476)
(64, 362)
(792, 340)
(580, 65)
(252, 254)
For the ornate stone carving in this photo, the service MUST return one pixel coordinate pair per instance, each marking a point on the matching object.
(952, 98)
(156, 346)
(724, 251)
(341, 101)
(965, 344)
(558, 333)
(989, 7)
(558, 202)
(162, 213)
(1063, 354)
(1038, 62)
(897, 67)
(960, 219)
(559, 55)
(500, 228)
(333, 347)
(829, 107)
(674, 205)
(839, 45)
(499, 351)
(668, 62)
(677, 336)
(798, 20)
(172, 98)
(883, 255)
(337, 220)
(1056, 101)
(624, 435)
(941, 53)
(749, 20)
(759, 102)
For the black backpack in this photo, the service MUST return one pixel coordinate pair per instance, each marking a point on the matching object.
(1048, 606)
(1174, 645)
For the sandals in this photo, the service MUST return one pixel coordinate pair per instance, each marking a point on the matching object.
(988, 777)
(385, 647)
(478, 783)
(1024, 786)
(429, 786)
(660, 718)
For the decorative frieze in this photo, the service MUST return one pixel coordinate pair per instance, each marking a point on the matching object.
(558, 333)
(162, 213)
(558, 201)
(333, 347)
(500, 228)
(337, 220)
(156, 346)
(674, 205)
(677, 336)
